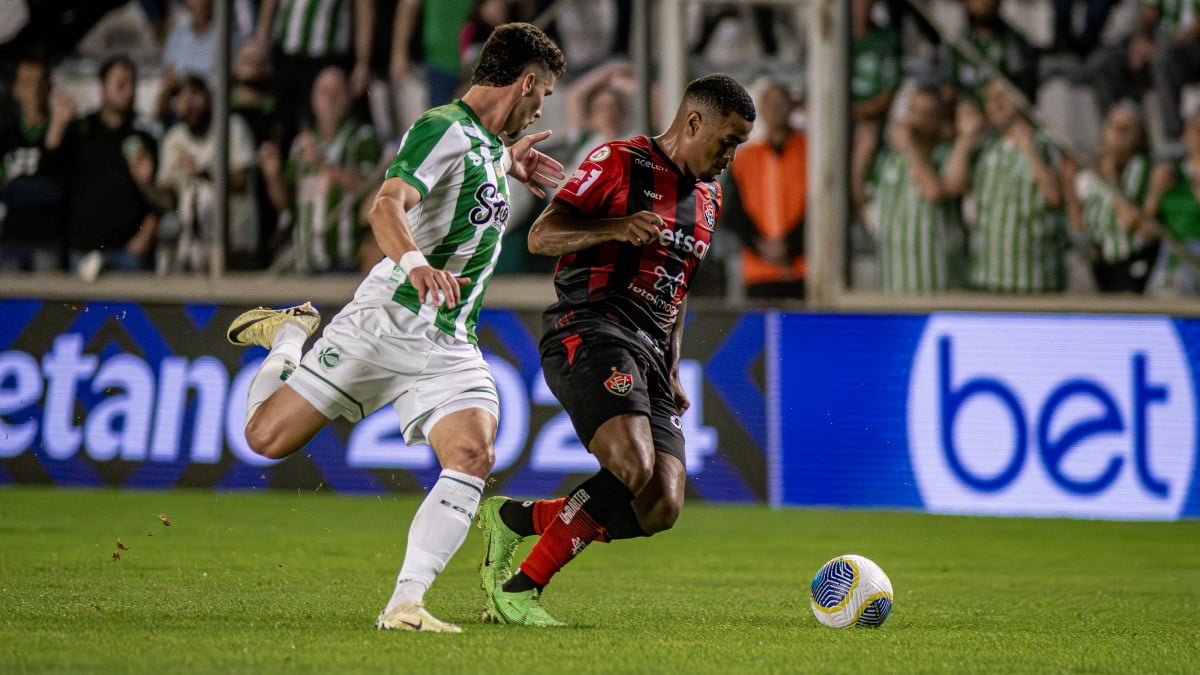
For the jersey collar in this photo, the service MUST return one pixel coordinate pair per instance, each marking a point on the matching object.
(667, 160)
(478, 122)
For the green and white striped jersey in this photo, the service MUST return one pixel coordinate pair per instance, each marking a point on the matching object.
(328, 230)
(316, 28)
(460, 168)
(916, 235)
(1115, 243)
(1018, 239)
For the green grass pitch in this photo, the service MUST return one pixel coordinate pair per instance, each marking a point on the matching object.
(264, 582)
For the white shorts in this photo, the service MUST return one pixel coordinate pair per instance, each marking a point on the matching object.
(373, 354)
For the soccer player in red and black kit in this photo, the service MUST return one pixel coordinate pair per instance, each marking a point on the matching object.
(630, 228)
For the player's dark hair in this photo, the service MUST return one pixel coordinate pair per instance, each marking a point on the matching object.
(510, 48)
(722, 94)
(113, 62)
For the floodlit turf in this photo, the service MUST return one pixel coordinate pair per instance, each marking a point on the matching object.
(262, 582)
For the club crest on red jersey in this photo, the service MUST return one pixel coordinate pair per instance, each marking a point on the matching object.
(619, 383)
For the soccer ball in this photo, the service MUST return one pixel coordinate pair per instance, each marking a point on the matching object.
(851, 590)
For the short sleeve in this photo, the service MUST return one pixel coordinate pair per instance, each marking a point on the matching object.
(599, 178)
(428, 151)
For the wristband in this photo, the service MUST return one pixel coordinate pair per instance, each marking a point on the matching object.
(410, 260)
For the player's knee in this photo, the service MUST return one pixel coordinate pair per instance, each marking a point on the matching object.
(266, 440)
(662, 516)
(473, 456)
(634, 469)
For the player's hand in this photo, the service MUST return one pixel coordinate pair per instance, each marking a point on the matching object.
(437, 287)
(639, 228)
(534, 168)
(682, 402)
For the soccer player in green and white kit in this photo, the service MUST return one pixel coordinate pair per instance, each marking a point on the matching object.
(408, 336)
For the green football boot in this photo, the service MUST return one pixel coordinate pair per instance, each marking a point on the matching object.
(519, 609)
(499, 544)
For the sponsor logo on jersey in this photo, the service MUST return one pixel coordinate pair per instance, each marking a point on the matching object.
(600, 154)
(676, 422)
(492, 208)
(663, 304)
(619, 383)
(584, 180)
(666, 283)
(652, 195)
(329, 357)
(682, 241)
(648, 164)
(475, 158)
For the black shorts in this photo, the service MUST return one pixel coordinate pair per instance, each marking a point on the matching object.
(599, 370)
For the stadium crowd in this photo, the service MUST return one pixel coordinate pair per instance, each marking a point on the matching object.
(953, 184)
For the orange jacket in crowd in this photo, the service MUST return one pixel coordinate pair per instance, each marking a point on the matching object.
(767, 202)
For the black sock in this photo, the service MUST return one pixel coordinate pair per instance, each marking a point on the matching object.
(625, 525)
(518, 516)
(519, 583)
(605, 499)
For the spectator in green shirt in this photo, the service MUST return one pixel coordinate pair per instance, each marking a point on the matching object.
(325, 178)
(1175, 199)
(874, 79)
(1012, 173)
(1120, 260)
(920, 226)
(1003, 49)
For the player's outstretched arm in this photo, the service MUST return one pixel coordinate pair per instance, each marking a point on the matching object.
(389, 223)
(535, 169)
(558, 231)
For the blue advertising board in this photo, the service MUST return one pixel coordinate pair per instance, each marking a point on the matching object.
(990, 414)
(964, 413)
(151, 396)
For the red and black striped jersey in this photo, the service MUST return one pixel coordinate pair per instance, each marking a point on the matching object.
(640, 287)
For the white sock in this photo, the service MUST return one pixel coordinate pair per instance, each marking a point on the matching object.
(438, 529)
(283, 358)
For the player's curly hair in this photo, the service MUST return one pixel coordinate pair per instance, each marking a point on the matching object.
(721, 93)
(510, 48)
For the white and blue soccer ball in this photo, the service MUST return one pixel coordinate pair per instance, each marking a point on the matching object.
(851, 590)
